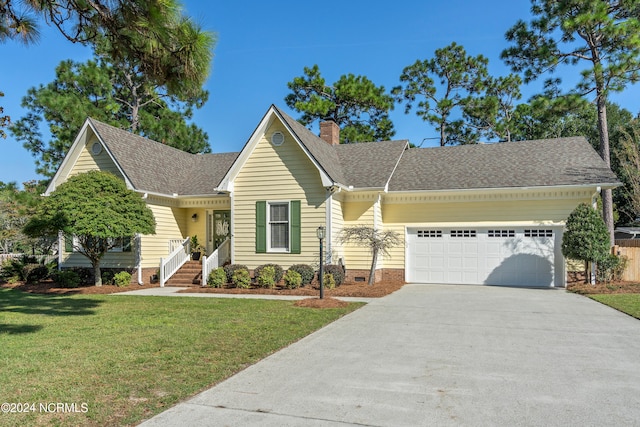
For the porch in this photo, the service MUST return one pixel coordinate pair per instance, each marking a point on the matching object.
(178, 268)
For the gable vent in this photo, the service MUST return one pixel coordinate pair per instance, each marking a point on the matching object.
(277, 138)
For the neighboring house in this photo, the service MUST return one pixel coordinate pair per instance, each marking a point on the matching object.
(627, 233)
(474, 214)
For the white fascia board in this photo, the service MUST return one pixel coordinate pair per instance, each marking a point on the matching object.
(509, 189)
(74, 153)
(324, 176)
(180, 196)
(72, 156)
(226, 184)
(113, 159)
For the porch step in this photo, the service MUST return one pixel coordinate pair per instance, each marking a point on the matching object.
(189, 274)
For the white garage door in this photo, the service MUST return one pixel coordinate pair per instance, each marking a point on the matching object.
(493, 256)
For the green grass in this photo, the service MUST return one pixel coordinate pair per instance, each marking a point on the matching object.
(129, 357)
(627, 303)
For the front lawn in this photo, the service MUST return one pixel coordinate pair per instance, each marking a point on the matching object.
(116, 360)
(627, 303)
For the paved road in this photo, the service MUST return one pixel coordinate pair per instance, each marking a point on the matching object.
(439, 355)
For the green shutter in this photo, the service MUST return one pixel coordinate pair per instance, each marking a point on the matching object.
(261, 227)
(68, 243)
(295, 227)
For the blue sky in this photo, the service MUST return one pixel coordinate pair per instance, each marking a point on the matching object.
(263, 45)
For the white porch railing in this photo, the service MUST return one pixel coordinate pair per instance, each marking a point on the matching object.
(175, 244)
(175, 260)
(215, 260)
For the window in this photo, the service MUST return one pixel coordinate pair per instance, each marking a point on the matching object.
(278, 226)
(430, 233)
(118, 244)
(278, 230)
(538, 233)
(501, 233)
(463, 233)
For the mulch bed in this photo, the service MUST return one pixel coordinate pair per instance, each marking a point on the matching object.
(358, 289)
(48, 287)
(345, 290)
(604, 288)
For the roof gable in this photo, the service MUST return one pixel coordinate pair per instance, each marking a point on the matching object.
(548, 162)
(149, 166)
(158, 168)
(303, 137)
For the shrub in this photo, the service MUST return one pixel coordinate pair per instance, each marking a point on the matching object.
(85, 274)
(586, 237)
(107, 277)
(336, 271)
(305, 271)
(122, 279)
(292, 279)
(266, 276)
(611, 268)
(217, 278)
(328, 281)
(279, 272)
(232, 268)
(66, 279)
(13, 269)
(33, 273)
(241, 279)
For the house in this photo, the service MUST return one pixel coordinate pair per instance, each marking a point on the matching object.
(474, 214)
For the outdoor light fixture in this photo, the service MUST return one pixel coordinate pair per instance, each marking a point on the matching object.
(194, 217)
(320, 233)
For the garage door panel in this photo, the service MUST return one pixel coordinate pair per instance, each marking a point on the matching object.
(506, 256)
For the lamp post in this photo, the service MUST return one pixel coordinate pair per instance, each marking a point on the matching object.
(320, 234)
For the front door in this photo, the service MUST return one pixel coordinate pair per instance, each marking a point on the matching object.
(218, 229)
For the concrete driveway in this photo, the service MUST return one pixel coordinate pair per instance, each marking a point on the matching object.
(442, 355)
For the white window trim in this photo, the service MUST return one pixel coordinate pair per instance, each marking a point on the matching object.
(269, 248)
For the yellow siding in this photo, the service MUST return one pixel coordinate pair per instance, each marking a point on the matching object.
(87, 161)
(398, 216)
(277, 173)
(358, 213)
(337, 224)
(170, 224)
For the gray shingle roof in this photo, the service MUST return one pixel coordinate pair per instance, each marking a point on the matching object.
(155, 167)
(370, 164)
(562, 161)
(324, 153)
(362, 165)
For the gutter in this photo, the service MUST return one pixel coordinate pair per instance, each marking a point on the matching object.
(540, 187)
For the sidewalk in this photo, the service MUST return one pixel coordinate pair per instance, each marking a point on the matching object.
(173, 291)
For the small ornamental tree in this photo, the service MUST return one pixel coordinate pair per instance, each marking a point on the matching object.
(377, 241)
(586, 237)
(98, 209)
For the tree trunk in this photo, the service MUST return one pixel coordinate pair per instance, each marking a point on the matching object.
(372, 272)
(607, 195)
(97, 274)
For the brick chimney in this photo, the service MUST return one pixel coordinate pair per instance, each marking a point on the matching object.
(330, 132)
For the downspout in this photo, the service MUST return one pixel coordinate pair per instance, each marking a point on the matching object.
(232, 239)
(139, 258)
(328, 225)
(60, 249)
